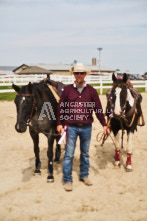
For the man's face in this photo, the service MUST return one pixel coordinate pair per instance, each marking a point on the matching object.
(79, 76)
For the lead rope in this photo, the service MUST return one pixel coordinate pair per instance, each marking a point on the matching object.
(129, 125)
(122, 135)
(103, 137)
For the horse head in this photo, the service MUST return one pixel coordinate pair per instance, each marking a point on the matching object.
(120, 97)
(24, 101)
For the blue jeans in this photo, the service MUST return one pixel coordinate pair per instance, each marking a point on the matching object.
(84, 132)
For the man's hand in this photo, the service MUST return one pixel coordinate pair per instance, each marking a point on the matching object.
(106, 130)
(60, 129)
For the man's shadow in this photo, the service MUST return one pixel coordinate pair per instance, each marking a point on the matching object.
(104, 155)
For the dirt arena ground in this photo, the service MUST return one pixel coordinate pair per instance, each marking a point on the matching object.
(115, 194)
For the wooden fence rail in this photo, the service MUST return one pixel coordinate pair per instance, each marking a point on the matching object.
(104, 82)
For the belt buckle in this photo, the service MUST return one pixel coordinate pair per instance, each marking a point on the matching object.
(80, 125)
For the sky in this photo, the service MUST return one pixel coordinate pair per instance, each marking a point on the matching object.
(61, 31)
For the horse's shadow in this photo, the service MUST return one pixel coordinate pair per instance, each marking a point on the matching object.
(104, 155)
(28, 172)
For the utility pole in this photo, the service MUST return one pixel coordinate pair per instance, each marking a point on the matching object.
(99, 61)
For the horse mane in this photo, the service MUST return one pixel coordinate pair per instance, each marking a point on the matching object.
(43, 93)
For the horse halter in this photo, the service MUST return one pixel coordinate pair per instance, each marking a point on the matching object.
(112, 102)
(25, 95)
(33, 107)
(124, 115)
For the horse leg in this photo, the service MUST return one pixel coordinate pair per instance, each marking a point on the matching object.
(58, 151)
(35, 138)
(129, 153)
(117, 149)
(50, 178)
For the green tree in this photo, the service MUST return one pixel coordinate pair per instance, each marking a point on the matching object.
(145, 73)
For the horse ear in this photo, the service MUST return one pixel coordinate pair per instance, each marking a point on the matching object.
(30, 87)
(125, 78)
(113, 77)
(16, 88)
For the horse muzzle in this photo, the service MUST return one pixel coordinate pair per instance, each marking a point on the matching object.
(20, 127)
(120, 116)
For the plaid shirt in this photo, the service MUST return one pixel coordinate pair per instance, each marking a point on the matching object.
(75, 108)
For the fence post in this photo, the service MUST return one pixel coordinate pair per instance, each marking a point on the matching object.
(146, 86)
(9, 79)
(14, 79)
(101, 85)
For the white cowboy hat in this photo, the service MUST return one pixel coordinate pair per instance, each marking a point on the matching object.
(79, 67)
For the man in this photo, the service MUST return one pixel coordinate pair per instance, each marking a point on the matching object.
(75, 110)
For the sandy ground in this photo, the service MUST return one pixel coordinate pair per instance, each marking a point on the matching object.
(115, 194)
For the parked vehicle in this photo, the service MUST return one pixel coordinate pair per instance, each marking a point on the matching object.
(144, 77)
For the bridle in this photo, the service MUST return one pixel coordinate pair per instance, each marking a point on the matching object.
(33, 106)
(32, 111)
(124, 115)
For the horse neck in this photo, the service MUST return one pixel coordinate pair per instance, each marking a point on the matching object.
(45, 96)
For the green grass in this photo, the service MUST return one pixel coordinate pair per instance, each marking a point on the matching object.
(104, 91)
(141, 89)
(8, 87)
(7, 96)
(108, 84)
(5, 87)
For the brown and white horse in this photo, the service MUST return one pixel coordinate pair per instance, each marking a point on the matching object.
(123, 112)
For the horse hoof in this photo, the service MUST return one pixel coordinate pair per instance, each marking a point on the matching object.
(117, 164)
(50, 179)
(129, 168)
(37, 172)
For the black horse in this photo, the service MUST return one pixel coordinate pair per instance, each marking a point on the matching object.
(36, 107)
(123, 112)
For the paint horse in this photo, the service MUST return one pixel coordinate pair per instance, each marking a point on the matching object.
(36, 107)
(123, 113)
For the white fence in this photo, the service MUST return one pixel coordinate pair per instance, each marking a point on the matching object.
(8, 80)
(66, 79)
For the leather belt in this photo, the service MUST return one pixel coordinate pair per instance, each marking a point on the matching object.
(79, 125)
